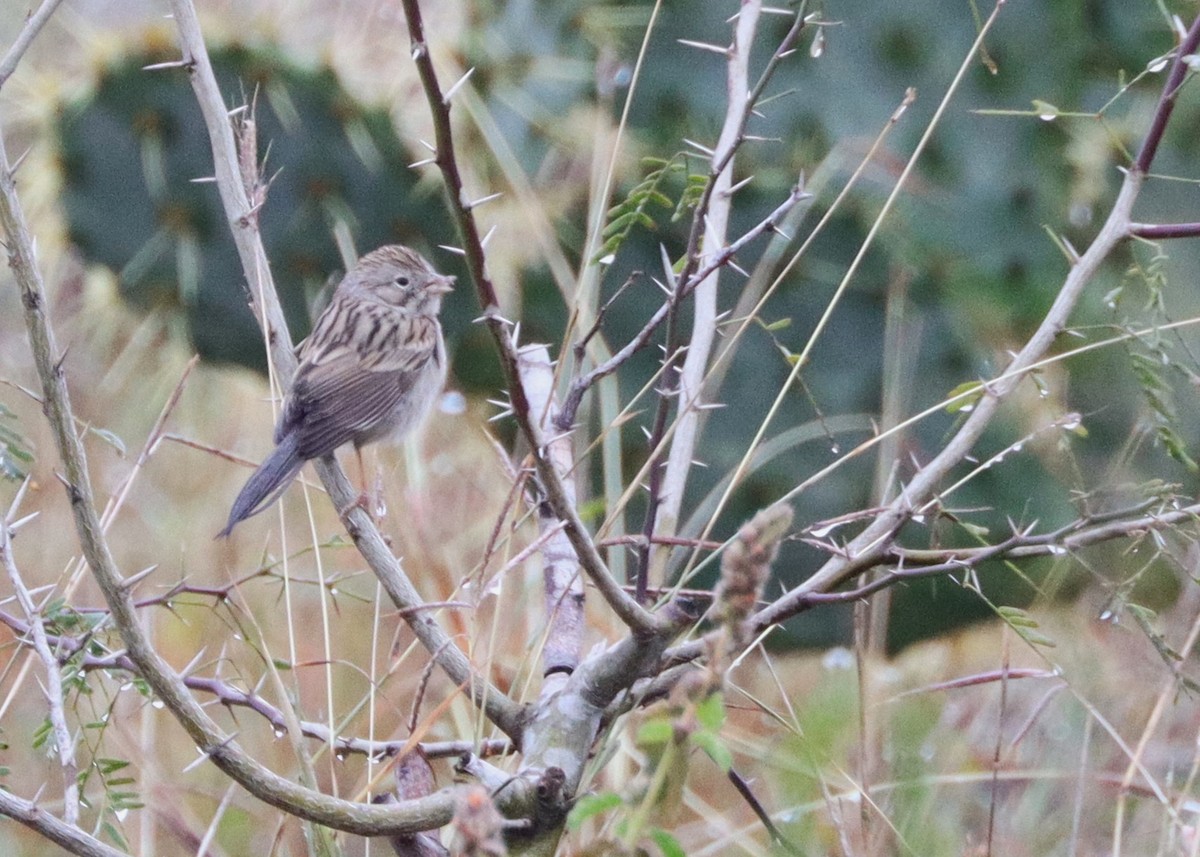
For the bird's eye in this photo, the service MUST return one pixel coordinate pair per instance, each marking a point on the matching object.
(402, 281)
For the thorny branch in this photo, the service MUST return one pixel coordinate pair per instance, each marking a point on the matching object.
(63, 740)
(906, 564)
(564, 595)
(868, 548)
(636, 617)
(33, 26)
(230, 696)
(709, 226)
(28, 813)
(233, 184)
(898, 565)
(222, 749)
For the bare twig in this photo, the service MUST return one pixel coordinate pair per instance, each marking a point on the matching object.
(1153, 231)
(743, 788)
(1166, 101)
(908, 564)
(631, 613)
(715, 218)
(911, 564)
(33, 26)
(65, 744)
(564, 593)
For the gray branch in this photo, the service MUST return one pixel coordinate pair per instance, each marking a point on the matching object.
(60, 833)
(232, 180)
(222, 749)
(54, 689)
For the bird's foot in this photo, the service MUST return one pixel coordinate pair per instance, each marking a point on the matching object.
(362, 501)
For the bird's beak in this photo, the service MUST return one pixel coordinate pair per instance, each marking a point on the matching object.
(442, 285)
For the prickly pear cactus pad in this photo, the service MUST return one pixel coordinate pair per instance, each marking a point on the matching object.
(132, 153)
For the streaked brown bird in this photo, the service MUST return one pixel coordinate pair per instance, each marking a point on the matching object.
(371, 369)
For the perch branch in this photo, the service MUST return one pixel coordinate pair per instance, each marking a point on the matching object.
(232, 183)
(222, 749)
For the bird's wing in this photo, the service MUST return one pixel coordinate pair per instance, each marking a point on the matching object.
(356, 368)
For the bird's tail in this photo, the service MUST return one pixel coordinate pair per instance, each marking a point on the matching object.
(268, 482)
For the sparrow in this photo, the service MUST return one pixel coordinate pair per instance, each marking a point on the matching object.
(371, 369)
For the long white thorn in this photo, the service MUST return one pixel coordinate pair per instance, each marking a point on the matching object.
(457, 85)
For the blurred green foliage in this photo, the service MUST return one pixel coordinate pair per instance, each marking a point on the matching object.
(15, 454)
(973, 239)
(330, 160)
(976, 242)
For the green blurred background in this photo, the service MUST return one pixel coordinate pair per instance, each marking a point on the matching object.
(968, 256)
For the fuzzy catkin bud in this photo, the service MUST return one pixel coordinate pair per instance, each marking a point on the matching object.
(745, 568)
(746, 564)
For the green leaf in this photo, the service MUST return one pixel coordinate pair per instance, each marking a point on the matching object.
(593, 510)
(619, 224)
(591, 805)
(660, 198)
(1033, 638)
(712, 744)
(110, 438)
(1045, 109)
(1024, 625)
(1017, 617)
(970, 392)
(710, 713)
(14, 449)
(110, 766)
(115, 835)
(42, 733)
(125, 800)
(667, 844)
(655, 732)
